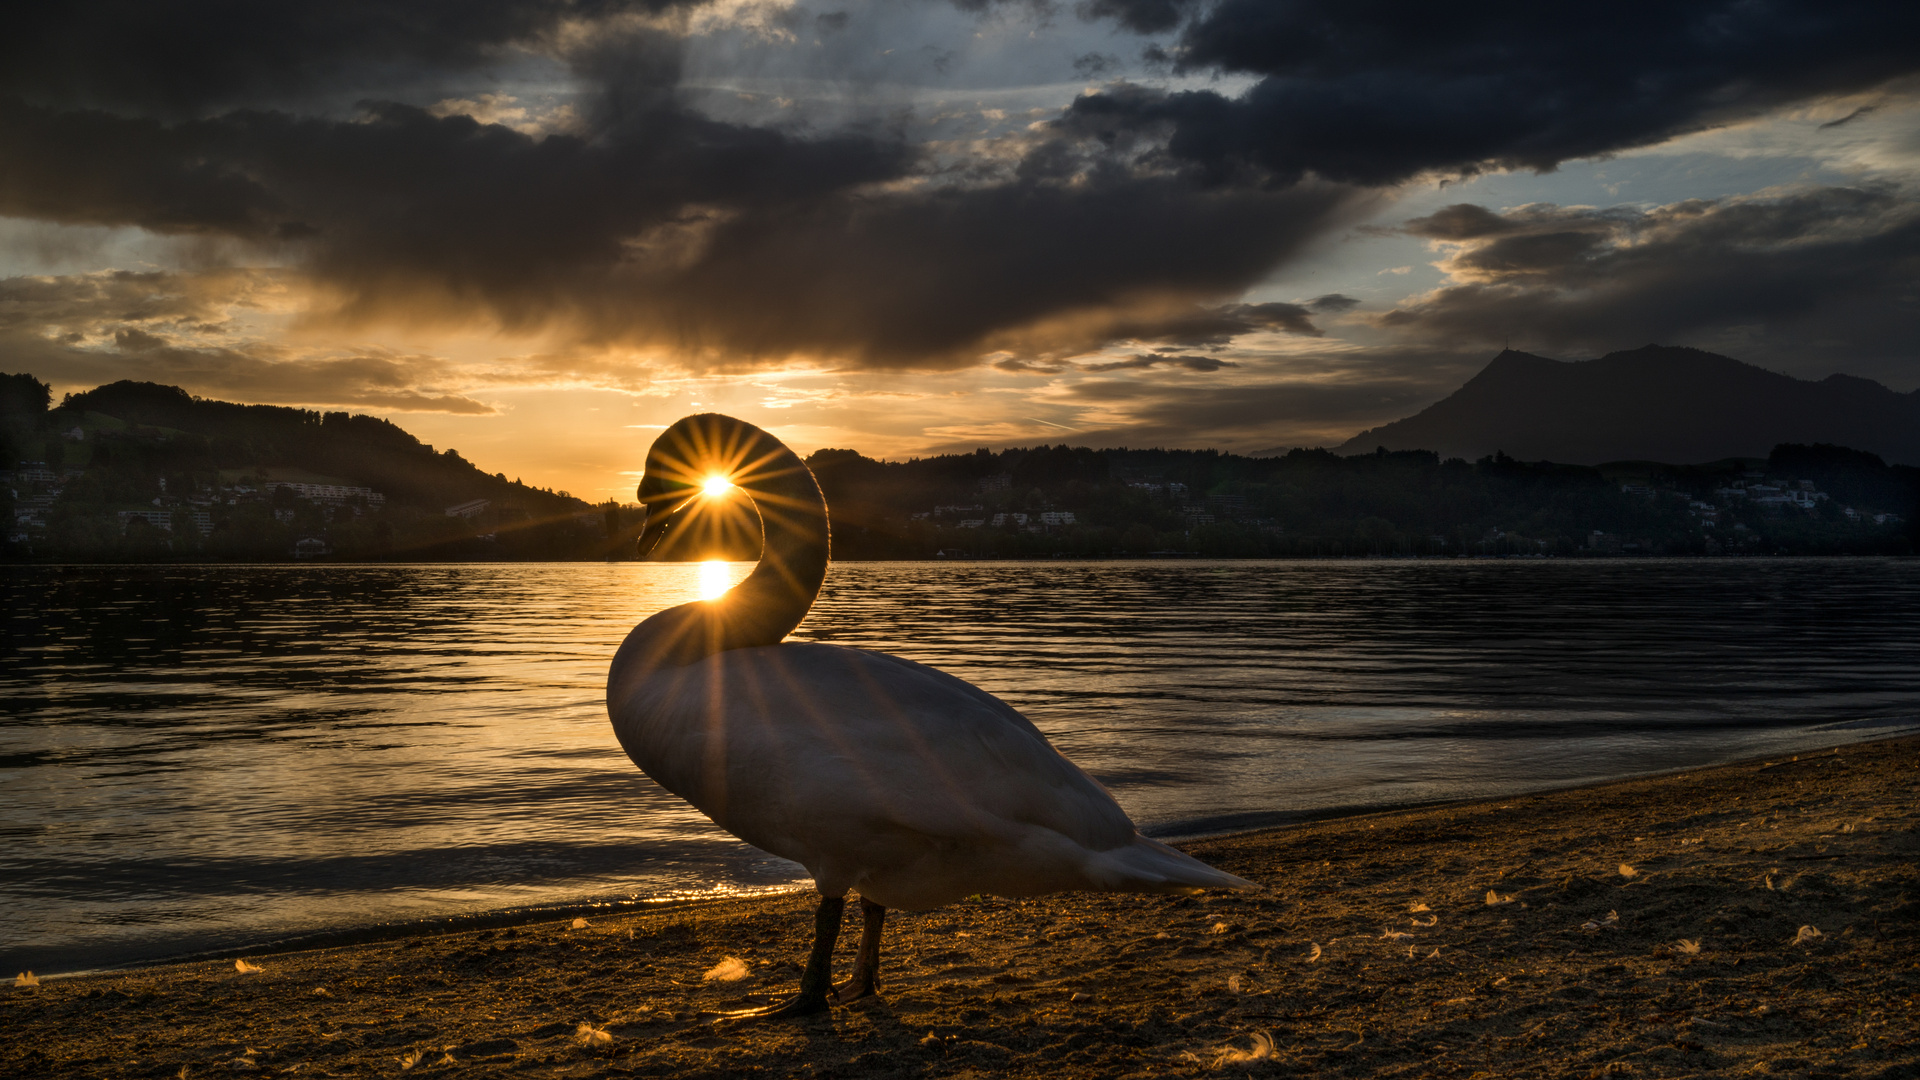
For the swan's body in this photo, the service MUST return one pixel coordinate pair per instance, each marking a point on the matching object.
(875, 773)
(888, 777)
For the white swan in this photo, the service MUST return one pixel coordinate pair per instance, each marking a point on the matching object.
(875, 773)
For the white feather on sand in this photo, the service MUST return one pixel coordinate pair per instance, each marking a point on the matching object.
(1261, 1050)
(731, 969)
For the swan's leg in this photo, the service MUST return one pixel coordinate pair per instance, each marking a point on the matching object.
(817, 981)
(865, 980)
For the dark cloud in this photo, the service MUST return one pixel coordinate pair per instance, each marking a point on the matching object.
(182, 57)
(255, 373)
(651, 224)
(175, 328)
(1169, 327)
(1140, 16)
(1093, 64)
(1820, 276)
(642, 221)
(1201, 327)
(1148, 360)
(1037, 268)
(673, 229)
(1377, 93)
(1015, 365)
(1848, 119)
(1258, 410)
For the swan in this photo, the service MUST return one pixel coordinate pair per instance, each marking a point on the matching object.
(877, 774)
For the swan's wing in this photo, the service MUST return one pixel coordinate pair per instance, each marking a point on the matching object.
(772, 742)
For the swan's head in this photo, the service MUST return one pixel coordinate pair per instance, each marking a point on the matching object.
(702, 456)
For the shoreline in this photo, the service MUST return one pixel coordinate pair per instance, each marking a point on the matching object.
(1645, 926)
(1901, 726)
(1038, 560)
(1176, 834)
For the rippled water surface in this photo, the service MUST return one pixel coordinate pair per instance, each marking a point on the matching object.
(196, 757)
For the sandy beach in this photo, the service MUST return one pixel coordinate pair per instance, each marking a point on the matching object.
(1756, 918)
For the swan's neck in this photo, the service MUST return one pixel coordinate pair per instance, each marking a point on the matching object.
(773, 599)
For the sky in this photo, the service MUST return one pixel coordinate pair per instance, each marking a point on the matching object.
(538, 231)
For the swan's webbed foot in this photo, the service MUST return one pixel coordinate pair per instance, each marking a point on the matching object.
(854, 989)
(817, 992)
(817, 980)
(801, 1004)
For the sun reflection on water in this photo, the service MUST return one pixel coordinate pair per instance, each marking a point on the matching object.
(716, 577)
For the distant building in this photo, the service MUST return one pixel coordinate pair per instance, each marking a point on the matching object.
(159, 519)
(310, 547)
(1063, 517)
(469, 509)
(997, 482)
(330, 493)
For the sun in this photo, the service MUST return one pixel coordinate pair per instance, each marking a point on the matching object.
(716, 485)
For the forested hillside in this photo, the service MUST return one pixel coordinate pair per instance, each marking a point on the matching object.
(140, 470)
(137, 471)
(1067, 500)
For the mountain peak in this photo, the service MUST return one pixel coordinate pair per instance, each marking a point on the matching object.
(1657, 402)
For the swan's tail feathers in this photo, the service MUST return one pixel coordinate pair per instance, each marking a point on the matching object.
(1152, 867)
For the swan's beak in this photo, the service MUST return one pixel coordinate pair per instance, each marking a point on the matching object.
(659, 515)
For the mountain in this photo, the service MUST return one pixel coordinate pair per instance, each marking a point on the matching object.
(1658, 403)
(169, 430)
(142, 471)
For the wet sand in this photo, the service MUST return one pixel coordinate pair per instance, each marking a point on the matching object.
(1760, 918)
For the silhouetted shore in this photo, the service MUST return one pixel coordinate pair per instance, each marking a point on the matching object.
(1758, 917)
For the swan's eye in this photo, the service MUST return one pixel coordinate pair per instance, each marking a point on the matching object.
(716, 485)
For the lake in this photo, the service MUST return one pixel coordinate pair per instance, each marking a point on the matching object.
(201, 757)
